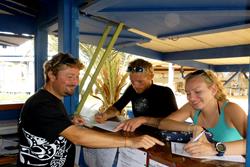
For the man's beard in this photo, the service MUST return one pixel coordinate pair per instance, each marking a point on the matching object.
(70, 91)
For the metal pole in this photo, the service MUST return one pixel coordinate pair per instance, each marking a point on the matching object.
(105, 55)
(95, 55)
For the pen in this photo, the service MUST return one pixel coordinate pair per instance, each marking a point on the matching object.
(199, 136)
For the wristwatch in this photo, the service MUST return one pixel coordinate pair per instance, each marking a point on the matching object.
(220, 148)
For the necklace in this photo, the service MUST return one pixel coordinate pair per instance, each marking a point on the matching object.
(218, 107)
(207, 123)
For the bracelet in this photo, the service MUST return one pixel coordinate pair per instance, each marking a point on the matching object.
(125, 141)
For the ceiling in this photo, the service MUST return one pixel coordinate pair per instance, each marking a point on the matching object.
(12, 39)
(203, 34)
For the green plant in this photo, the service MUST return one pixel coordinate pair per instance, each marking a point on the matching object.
(111, 78)
(111, 81)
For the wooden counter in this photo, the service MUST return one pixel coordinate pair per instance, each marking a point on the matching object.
(4, 160)
(164, 155)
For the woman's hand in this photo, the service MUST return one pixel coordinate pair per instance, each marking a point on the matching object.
(196, 130)
(200, 148)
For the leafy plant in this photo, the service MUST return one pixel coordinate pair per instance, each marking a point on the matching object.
(111, 78)
(111, 81)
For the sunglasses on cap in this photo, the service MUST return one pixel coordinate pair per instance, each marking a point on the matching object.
(65, 60)
(197, 73)
(135, 69)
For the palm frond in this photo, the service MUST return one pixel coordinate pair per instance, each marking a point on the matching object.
(111, 79)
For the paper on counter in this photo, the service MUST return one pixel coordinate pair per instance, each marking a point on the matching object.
(129, 157)
(108, 125)
(153, 163)
(177, 148)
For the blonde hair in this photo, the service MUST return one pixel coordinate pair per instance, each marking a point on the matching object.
(55, 64)
(210, 78)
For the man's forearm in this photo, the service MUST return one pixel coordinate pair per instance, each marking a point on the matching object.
(154, 122)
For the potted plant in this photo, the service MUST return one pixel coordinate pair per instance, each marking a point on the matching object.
(111, 78)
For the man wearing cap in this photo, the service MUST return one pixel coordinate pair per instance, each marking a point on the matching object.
(47, 135)
(149, 101)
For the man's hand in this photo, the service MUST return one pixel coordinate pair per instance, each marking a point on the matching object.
(144, 141)
(131, 124)
(107, 114)
(101, 117)
(78, 120)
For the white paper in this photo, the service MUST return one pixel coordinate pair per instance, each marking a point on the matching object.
(88, 113)
(153, 163)
(99, 157)
(177, 148)
(129, 157)
(108, 125)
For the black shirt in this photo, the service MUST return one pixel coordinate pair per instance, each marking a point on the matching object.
(156, 101)
(42, 119)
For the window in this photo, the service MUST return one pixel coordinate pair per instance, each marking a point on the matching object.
(16, 73)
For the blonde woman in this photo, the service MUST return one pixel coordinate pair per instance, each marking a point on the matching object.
(209, 109)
